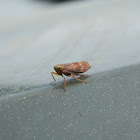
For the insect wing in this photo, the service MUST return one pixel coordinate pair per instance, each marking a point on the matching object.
(77, 67)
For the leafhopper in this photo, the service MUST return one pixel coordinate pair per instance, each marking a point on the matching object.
(71, 70)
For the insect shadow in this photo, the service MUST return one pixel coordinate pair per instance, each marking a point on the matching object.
(70, 82)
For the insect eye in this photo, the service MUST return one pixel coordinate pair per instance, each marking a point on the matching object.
(57, 67)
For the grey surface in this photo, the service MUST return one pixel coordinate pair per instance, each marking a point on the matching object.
(107, 108)
(35, 35)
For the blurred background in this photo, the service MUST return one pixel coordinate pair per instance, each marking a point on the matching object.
(37, 34)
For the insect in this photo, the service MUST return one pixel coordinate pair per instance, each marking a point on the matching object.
(71, 70)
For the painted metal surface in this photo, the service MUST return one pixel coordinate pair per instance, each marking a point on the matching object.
(36, 35)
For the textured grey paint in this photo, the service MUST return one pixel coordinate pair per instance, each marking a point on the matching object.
(108, 107)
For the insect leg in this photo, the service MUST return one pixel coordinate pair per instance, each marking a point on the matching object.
(53, 76)
(76, 75)
(79, 79)
(64, 83)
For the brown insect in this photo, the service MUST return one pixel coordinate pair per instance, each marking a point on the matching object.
(71, 70)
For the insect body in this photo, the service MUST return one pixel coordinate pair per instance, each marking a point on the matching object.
(71, 70)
